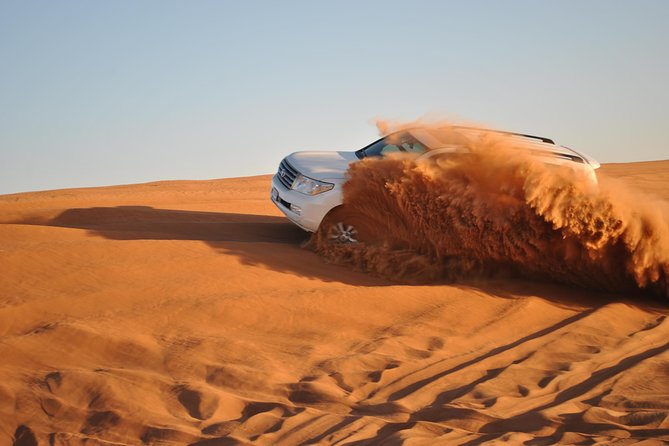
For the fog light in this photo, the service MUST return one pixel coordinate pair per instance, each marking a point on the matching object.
(296, 209)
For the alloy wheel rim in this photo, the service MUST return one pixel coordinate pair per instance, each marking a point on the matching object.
(343, 233)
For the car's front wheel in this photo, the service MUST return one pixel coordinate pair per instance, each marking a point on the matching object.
(342, 226)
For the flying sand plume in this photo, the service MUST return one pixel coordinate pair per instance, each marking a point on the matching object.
(501, 211)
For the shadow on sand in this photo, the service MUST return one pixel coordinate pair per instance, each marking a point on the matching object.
(264, 240)
(277, 244)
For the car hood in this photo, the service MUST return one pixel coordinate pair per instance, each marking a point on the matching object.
(322, 165)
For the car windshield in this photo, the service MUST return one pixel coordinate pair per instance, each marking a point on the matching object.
(397, 142)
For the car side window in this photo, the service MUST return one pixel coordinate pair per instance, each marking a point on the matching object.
(415, 147)
(444, 158)
(390, 148)
(406, 144)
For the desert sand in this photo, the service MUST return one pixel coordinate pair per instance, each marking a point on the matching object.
(189, 313)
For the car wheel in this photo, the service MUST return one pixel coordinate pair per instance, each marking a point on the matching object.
(343, 227)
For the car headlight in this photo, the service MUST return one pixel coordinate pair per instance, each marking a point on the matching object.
(309, 186)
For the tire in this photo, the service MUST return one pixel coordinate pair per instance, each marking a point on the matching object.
(343, 227)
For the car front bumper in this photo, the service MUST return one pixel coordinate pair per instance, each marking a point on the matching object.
(306, 211)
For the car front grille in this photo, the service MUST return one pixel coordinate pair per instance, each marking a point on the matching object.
(287, 174)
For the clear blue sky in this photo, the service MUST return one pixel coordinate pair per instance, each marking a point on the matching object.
(111, 92)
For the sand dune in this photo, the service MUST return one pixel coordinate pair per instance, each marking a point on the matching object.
(187, 313)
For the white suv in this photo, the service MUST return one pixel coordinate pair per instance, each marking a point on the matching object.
(307, 186)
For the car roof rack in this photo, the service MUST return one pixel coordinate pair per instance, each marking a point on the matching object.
(540, 138)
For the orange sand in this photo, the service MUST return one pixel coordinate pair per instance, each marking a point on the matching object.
(186, 312)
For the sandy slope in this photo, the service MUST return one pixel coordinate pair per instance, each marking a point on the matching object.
(186, 312)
